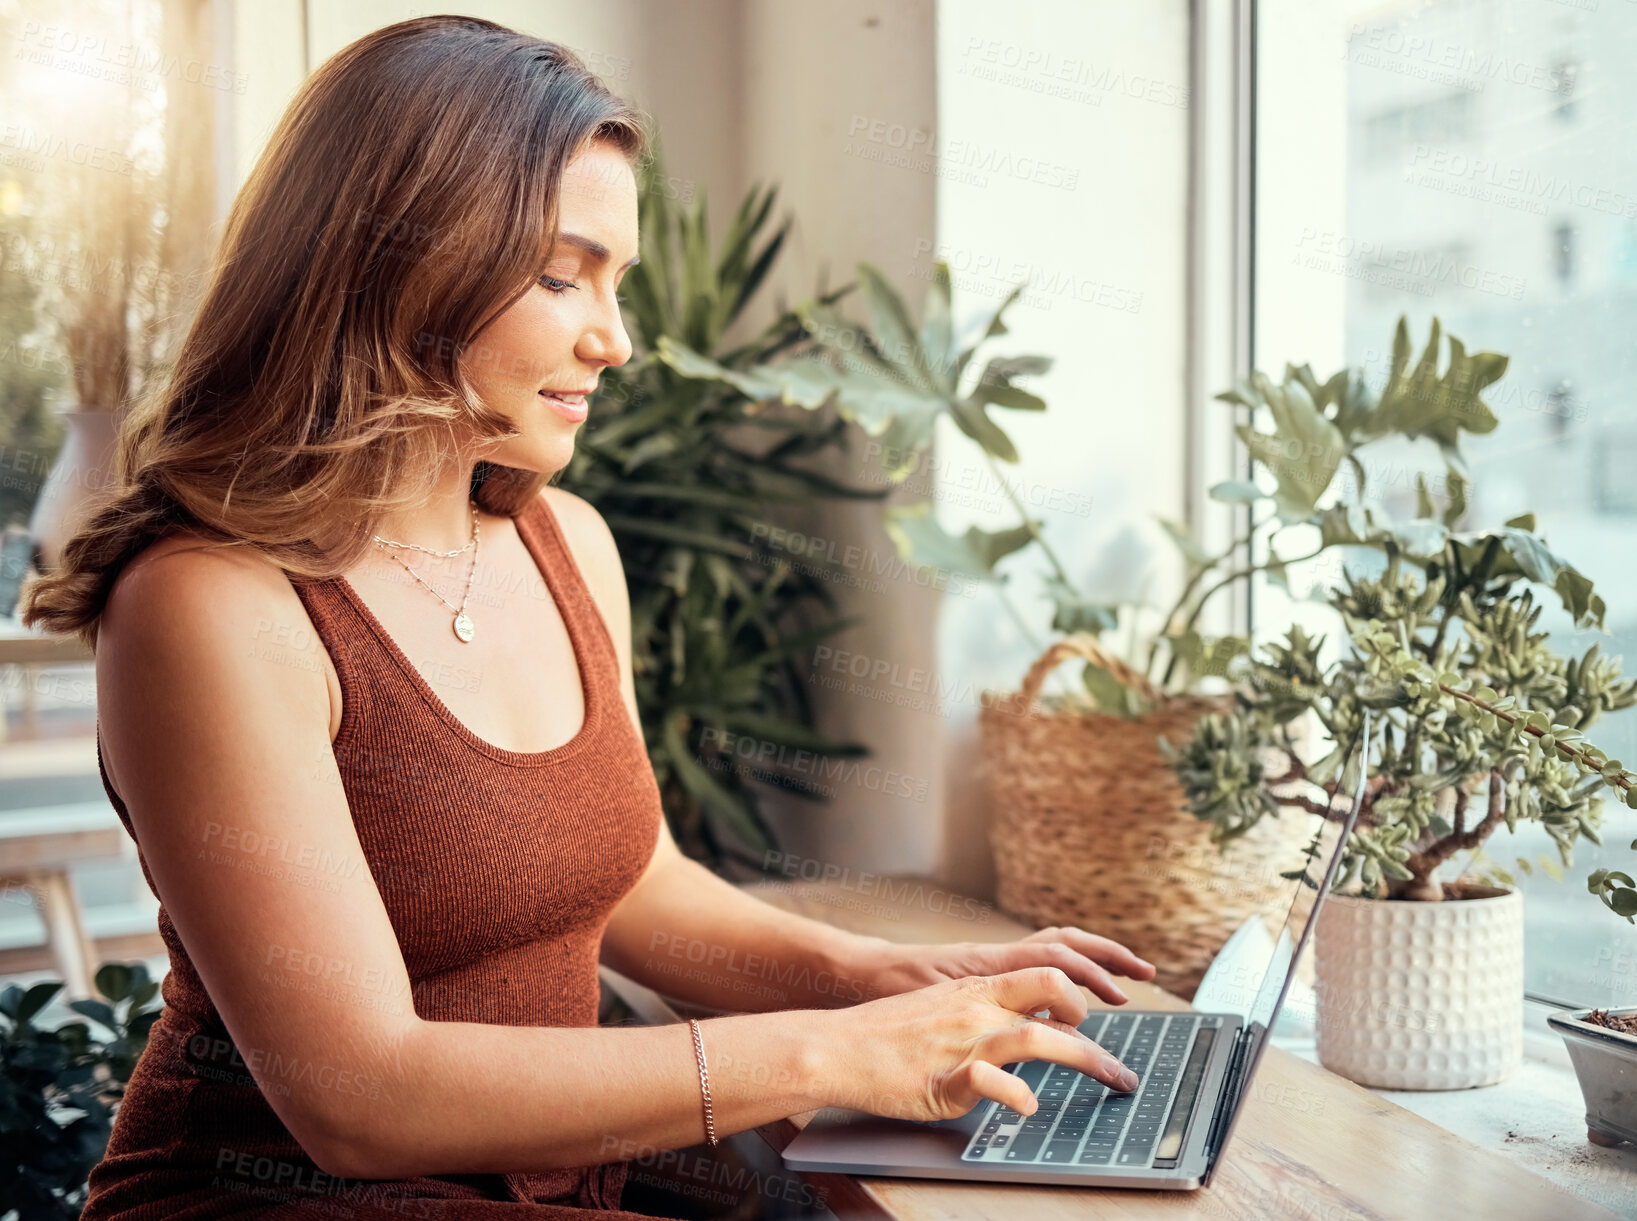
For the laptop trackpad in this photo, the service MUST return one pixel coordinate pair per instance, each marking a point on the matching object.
(855, 1137)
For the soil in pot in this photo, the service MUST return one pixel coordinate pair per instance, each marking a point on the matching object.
(1625, 1023)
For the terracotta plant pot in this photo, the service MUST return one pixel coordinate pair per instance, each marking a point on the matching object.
(1606, 1062)
(1421, 996)
(84, 469)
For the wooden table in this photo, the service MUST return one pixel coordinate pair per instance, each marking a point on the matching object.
(1309, 1145)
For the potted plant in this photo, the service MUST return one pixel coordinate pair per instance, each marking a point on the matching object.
(1480, 726)
(1603, 1047)
(686, 473)
(123, 238)
(59, 1087)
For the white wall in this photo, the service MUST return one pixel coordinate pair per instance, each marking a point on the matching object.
(1099, 88)
(678, 61)
(815, 77)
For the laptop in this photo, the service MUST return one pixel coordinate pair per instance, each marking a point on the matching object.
(1168, 1133)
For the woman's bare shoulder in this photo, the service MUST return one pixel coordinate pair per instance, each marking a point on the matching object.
(184, 569)
(185, 610)
(590, 541)
(186, 553)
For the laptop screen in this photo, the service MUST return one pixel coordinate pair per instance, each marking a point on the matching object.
(1314, 875)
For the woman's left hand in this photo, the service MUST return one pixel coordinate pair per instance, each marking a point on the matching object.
(1084, 957)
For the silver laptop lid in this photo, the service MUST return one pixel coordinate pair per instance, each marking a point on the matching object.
(1310, 892)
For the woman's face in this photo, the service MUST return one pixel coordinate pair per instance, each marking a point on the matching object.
(560, 335)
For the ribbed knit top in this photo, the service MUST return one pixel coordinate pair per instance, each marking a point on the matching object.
(498, 869)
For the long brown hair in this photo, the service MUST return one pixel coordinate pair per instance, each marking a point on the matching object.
(408, 196)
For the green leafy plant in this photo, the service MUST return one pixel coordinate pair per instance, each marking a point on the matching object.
(895, 380)
(1479, 722)
(1304, 436)
(59, 1087)
(686, 474)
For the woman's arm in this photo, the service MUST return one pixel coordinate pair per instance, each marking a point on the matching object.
(690, 934)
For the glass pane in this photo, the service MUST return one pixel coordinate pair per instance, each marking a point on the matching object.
(1475, 162)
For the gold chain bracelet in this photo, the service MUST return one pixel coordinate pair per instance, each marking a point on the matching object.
(704, 1080)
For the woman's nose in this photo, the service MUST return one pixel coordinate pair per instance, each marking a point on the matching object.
(605, 341)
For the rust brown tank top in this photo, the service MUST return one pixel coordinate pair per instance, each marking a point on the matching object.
(498, 869)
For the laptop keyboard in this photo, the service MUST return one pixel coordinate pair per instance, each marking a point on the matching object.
(1080, 1122)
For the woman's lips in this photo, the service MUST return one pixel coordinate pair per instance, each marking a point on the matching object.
(573, 408)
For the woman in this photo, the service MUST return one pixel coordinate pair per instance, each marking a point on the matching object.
(366, 706)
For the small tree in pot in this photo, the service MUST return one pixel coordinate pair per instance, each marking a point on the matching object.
(1480, 726)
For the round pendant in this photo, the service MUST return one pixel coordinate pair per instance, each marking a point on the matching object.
(464, 627)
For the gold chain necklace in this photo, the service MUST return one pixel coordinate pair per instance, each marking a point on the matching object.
(464, 628)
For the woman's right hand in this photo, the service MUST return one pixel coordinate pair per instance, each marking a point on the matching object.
(938, 1051)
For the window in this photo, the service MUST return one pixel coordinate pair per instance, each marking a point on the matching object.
(1563, 253)
(1565, 74)
(1442, 121)
(1470, 146)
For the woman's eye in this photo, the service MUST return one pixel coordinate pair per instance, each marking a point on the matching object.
(557, 286)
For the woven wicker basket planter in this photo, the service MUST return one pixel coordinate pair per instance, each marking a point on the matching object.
(1090, 827)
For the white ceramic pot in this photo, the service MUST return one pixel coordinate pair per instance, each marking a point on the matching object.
(84, 469)
(1421, 996)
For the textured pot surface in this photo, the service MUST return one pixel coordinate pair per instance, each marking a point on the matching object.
(1421, 996)
(1605, 1061)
